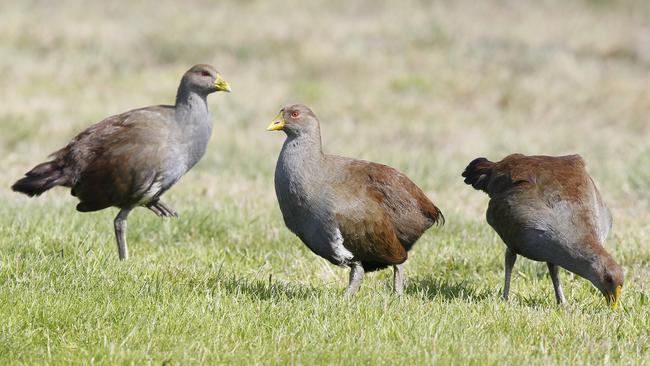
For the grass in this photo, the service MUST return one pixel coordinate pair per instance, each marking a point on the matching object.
(422, 87)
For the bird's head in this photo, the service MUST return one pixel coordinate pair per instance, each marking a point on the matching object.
(608, 278)
(295, 120)
(204, 79)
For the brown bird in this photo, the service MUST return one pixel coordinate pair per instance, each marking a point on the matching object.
(548, 209)
(131, 159)
(353, 213)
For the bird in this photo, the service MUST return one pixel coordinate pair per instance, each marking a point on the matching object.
(130, 159)
(548, 209)
(353, 213)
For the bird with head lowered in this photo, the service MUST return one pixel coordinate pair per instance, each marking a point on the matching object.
(548, 209)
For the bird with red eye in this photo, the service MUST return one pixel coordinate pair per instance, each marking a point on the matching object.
(208, 79)
(131, 159)
(354, 213)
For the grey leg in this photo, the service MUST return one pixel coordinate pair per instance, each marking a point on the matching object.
(161, 209)
(553, 269)
(398, 279)
(356, 275)
(509, 262)
(120, 233)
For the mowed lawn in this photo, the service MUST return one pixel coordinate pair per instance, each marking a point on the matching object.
(422, 87)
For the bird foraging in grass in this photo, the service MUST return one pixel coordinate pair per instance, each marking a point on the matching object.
(353, 213)
(548, 209)
(131, 159)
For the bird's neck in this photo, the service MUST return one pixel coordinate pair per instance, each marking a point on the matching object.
(300, 161)
(191, 102)
(306, 147)
(588, 260)
(196, 124)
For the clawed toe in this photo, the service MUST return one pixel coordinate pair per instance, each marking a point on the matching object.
(155, 210)
(162, 210)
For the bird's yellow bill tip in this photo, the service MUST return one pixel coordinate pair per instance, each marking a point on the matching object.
(617, 295)
(277, 124)
(221, 85)
(612, 298)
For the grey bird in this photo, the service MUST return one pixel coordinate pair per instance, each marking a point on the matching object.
(548, 209)
(130, 159)
(353, 213)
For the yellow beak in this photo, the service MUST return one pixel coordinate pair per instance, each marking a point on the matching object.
(277, 124)
(221, 85)
(612, 299)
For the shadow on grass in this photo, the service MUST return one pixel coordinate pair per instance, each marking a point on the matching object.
(268, 289)
(537, 301)
(430, 287)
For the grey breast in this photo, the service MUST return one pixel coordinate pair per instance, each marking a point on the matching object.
(199, 132)
(303, 201)
(190, 132)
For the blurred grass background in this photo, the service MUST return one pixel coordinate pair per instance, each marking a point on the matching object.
(422, 86)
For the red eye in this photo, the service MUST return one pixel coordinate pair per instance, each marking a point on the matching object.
(205, 73)
(295, 114)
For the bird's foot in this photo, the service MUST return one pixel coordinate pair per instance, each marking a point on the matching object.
(161, 209)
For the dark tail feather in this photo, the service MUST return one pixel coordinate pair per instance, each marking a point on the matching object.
(478, 173)
(436, 215)
(38, 180)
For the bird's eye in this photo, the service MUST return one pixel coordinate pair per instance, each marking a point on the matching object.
(205, 73)
(608, 278)
(295, 114)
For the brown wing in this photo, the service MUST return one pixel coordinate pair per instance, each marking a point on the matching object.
(94, 141)
(409, 209)
(546, 193)
(370, 236)
(115, 160)
(381, 213)
(551, 178)
(553, 173)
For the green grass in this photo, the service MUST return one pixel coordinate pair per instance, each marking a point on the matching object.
(424, 88)
(213, 288)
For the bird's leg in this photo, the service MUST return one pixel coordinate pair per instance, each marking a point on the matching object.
(161, 209)
(120, 233)
(398, 279)
(553, 269)
(356, 275)
(509, 262)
